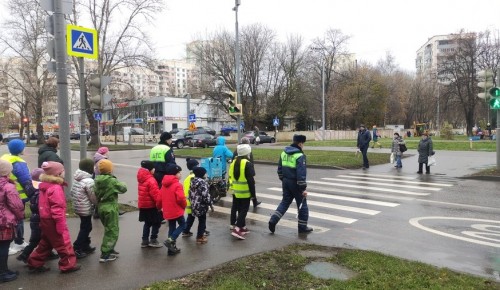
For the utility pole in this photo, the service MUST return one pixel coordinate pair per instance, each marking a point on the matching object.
(83, 132)
(62, 89)
(498, 124)
(237, 64)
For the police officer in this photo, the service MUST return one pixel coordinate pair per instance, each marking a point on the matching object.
(162, 155)
(292, 172)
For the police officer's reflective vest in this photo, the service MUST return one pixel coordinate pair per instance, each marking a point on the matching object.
(187, 186)
(290, 160)
(13, 159)
(158, 153)
(240, 186)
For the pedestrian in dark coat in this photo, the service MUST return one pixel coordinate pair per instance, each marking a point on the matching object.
(424, 151)
(363, 143)
(48, 152)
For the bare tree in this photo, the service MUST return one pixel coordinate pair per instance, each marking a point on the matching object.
(461, 66)
(24, 37)
(123, 43)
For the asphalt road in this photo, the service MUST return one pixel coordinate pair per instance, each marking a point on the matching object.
(438, 219)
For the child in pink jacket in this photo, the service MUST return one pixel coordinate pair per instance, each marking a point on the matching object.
(11, 211)
(55, 234)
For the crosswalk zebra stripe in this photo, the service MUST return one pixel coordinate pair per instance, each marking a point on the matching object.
(340, 197)
(383, 175)
(368, 188)
(393, 180)
(362, 193)
(262, 218)
(327, 205)
(318, 215)
(382, 183)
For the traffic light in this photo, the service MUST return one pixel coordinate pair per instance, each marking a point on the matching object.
(234, 107)
(486, 77)
(495, 98)
(97, 85)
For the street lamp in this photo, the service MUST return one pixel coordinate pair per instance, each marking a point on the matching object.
(237, 3)
(323, 117)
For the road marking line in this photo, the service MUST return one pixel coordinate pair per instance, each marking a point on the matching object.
(327, 205)
(382, 175)
(265, 219)
(416, 223)
(370, 188)
(460, 204)
(340, 197)
(382, 184)
(393, 180)
(318, 215)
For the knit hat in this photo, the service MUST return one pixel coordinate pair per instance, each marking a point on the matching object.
(5, 167)
(245, 140)
(86, 165)
(173, 169)
(164, 137)
(105, 166)
(191, 163)
(16, 146)
(52, 168)
(362, 126)
(299, 138)
(102, 150)
(199, 172)
(149, 165)
(35, 174)
(243, 149)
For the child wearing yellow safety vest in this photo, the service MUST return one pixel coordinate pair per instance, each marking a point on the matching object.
(191, 164)
(242, 182)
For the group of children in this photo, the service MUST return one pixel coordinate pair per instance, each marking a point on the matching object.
(48, 224)
(95, 186)
(169, 200)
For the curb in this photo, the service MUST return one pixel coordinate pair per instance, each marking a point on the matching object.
(482, 178)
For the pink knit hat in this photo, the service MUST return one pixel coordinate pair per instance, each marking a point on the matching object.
(103, 150)
(52, 168)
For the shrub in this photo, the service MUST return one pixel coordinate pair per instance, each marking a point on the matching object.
(447, 131)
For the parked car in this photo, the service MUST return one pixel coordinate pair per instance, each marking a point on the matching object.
(226, 129)
(174, 131)
(202, 140)
(76, 136)
(11, 136)
(136, 131)
(181, 138)
(264, 138)
(204, 129)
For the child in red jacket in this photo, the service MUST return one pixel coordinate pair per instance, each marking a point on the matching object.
(173, 202)
(55, 233)
(148, 192)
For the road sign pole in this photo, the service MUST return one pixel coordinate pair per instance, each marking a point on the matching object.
(62, 91)
(83, 133)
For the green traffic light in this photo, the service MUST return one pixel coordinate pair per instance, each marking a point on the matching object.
(495, 92)
(495, 103)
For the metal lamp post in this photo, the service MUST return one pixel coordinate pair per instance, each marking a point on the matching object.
(237, 3)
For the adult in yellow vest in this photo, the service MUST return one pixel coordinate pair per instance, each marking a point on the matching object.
(242, 182)
(162, 155)
(292, 172)
(22, 179)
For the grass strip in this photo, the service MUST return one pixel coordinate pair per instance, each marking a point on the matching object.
(284, 269)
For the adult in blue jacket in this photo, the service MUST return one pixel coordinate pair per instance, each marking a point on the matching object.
(221, 151)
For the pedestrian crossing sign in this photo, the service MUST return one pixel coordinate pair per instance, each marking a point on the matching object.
(81, 41)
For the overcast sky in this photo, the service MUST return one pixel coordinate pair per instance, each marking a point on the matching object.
(398, 26)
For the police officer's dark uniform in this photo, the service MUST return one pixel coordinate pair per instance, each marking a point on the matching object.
(292, 172)
(162, 155)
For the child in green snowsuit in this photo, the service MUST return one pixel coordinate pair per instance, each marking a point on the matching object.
(107, 188)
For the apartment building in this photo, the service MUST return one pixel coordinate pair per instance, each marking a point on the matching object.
(430, 55)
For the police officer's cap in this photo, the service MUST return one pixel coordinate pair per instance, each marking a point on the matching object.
(164, 137)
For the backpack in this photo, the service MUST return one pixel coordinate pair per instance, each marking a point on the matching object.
(402, 148)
